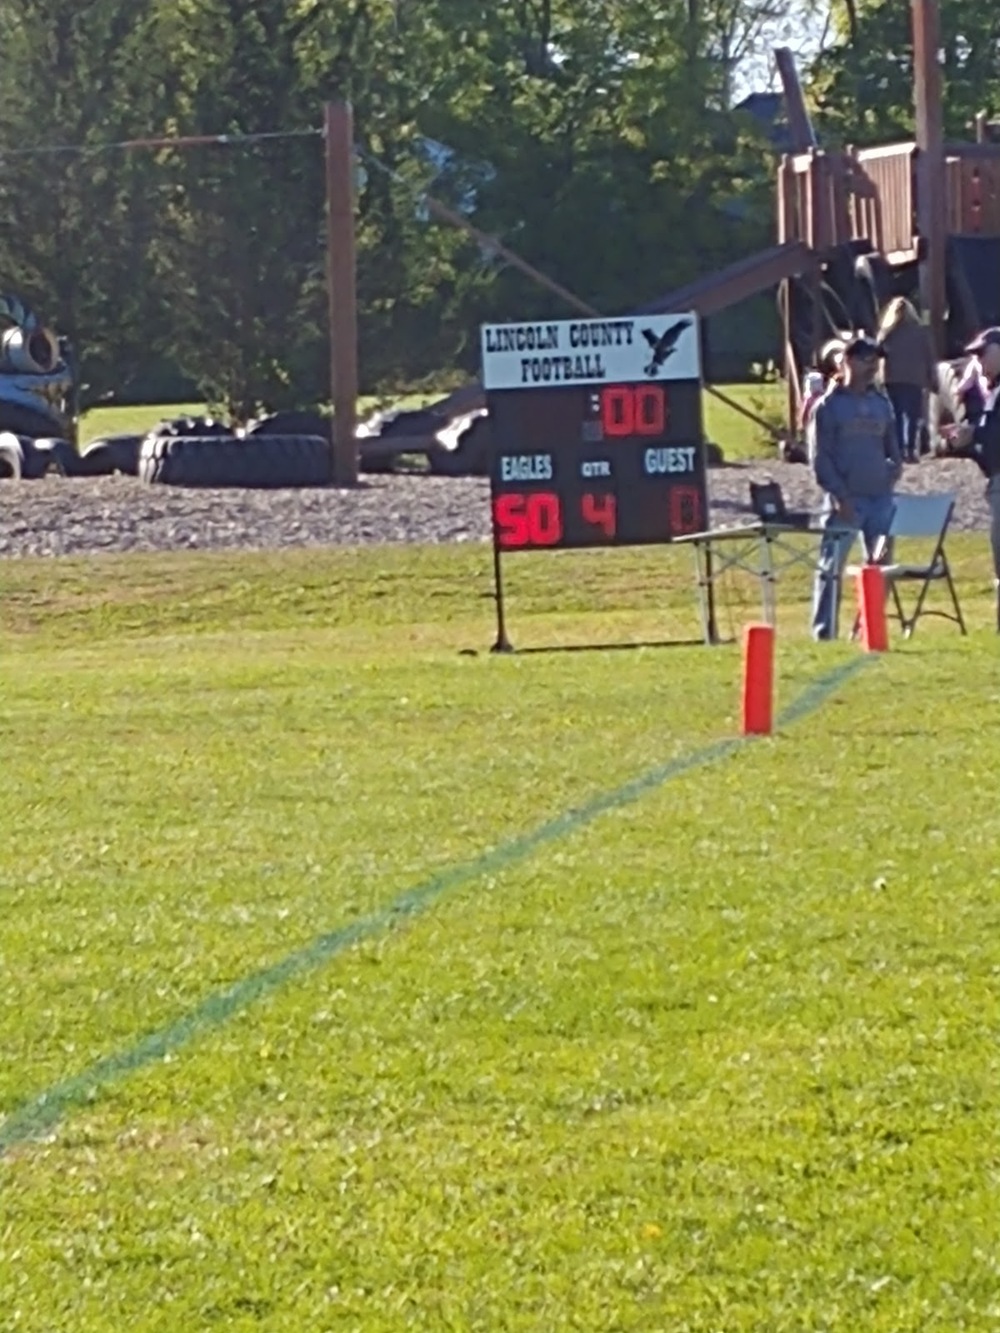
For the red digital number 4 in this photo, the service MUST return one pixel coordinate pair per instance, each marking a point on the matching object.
(600, 510)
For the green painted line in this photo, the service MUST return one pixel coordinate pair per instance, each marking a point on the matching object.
(49, 1107)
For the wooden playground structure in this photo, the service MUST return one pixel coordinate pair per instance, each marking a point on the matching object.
(871, 194)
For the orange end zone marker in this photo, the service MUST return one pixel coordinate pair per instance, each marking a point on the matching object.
(758, 680)
(871, 603)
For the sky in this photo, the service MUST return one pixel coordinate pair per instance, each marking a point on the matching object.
(804, 33)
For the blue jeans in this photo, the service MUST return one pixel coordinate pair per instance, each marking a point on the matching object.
(908, 404)
(872, 518)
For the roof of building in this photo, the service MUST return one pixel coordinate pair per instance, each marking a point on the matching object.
(768, 109)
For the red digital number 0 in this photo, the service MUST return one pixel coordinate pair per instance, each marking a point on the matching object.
(617, 411)
(534, 519)
(650, 410)
(600, 510)
(639, 409)
(685, 510)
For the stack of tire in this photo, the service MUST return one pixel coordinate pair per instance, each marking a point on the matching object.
(286, 449)
(199, 452)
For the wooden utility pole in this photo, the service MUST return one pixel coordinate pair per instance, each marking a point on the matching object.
(932, 223)
(341, 281)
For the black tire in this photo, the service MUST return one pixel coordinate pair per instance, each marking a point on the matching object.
(834, 317)
(25, 421)
(41, 457)
(471, 456)
(110, 454)
(314, 423)
(376, 464)
(864, 306)
(398, 425)
(875, 274)
(412, 421)
(265, 462)
(11, 457)
(192, 427)
(292, 423)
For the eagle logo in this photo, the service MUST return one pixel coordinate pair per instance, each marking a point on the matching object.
(663, 345)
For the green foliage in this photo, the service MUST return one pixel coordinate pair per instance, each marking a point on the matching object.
(589, 135)
(863, 86)
(75, 228)
(241, 231)
(722, 1057)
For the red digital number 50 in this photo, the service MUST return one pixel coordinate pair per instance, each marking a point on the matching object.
(534, 519)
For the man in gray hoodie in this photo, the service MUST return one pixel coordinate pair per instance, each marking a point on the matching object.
(856, 461)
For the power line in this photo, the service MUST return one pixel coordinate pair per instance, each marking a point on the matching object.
(163, 141)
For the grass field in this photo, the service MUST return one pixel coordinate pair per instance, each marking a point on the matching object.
(738, 437)
(349, 980)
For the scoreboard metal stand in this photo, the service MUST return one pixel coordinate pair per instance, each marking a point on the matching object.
(598, 439)
(503, 644)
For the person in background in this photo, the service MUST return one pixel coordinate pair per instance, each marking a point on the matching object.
(979, 439)
(815, 388)
(831, 357)
(856, 462)
(973, 389)
(796, 450)
(909, 373)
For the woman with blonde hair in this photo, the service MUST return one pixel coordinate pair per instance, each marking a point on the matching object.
(909, 373)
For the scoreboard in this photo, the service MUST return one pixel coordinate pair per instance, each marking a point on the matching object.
(597, 435)
(597, 432)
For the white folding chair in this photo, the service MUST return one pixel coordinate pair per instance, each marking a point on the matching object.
(923, 517)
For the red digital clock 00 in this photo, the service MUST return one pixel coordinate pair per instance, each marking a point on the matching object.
(626, 410)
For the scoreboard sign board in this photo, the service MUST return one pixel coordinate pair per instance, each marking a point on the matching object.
(597, 433)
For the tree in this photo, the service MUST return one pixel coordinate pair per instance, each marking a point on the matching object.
(240, 233)
(592, 136)
(612, 168)
(863, 84)
(75, 228)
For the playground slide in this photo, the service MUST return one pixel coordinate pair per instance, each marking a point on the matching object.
(737, 282)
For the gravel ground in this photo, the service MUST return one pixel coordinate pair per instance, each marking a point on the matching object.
(61, 516)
